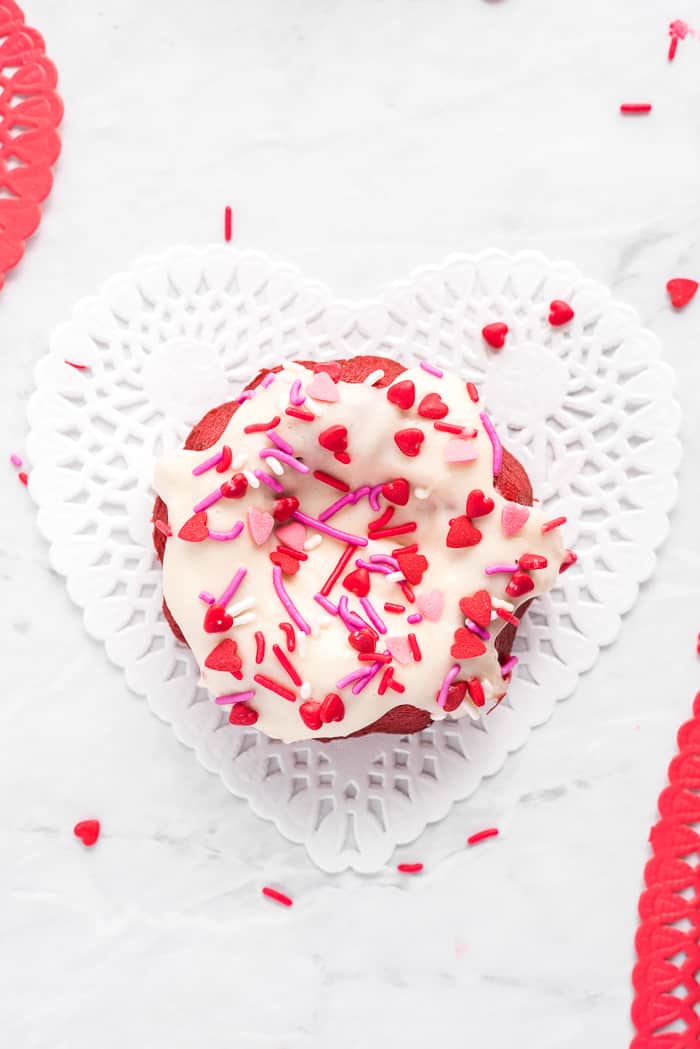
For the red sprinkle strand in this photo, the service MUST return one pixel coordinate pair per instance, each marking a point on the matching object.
(274, 686)
(384, 683)
(407, 591)
(261, 427)
(280, 897)
(375, 657)
(163, 528)
(395, 685)
(448, 428)
(387, 533)
(473, 392)
(508, 616)
(259, 646)
(410, 868)
(299, 413)
(415, 648)
(389, 606)
(22, 477)
(337, 571)
(412, 549)
(285, 663)
(228, 223)
(697, 646)
(78, 367)
(556, 522)
(672, 47)
(225, 461)
(328, 479)
(490, 832)
(379, 522)
(291, 638)
(635, 107)
(298, 555)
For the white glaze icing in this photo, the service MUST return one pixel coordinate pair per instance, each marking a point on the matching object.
(325, 656)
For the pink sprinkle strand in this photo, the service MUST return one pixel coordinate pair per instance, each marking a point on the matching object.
(372, 614)
(415, 617)
(283, 445)
(482, 835)
(223, 537)
(497, 446)
(207, 501)
(384, 569)
(431, 369)
(296, 397)
(286, 600)
(268, 380)
(351, 620)
(495, 569)
(283, 457)
(354, 676)
(364, 682)
(313, 522)
(208, 464)
(235, 697)
(206, 597)
(509, 666)
(325, 603)
(446, 682)
(247, 395)
(269, 480)
(476, 629)
(236, 580)
(385, 559)
(374, 496)
(15, 460)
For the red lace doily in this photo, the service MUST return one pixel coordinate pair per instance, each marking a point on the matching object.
(30, 112)
(666, 1009)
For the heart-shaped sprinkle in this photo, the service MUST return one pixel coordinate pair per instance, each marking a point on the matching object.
(195, 530)
(334, 439)
(260, 525)
(225, 658)
(332, 708)
(458, 450)
(431, 604)
(681, 290)
(235, 488)
(462, 533)
(531, 562)
(284, 508)
(455, 694)
(332, 368)
(478, 504)
(217, 620)
(402, 394)
(363, 640)
(397, 491)
(292, 535)
(322, 388)
(413, 566)
(433, 407)
(88, 831)
(513, 517)
(288, 564)
(495, 334)
(310, 714)
(477, 608)
(519, 584)
(409, 441)
(358, 582)
(559, 313)
(242, 714)
(570, 558)
(467, 645)
(400, 648)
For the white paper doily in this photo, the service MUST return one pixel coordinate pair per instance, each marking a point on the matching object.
(588, 408)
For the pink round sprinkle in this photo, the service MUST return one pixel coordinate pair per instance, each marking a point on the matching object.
(415, 617)
(15, 460)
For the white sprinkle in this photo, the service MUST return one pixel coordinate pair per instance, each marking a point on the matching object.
(374, 376)
(251, 478)
(303, 644)
(239, 460)
(395, 577)
(249, 617)
(315, 630)
(242, 606)
(313, 542)
(305, 690)
(498, 602)
(276, 466)
(487, 687)
(324, 621)
(421, 493)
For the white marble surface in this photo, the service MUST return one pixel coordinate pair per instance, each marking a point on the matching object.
(358, 140)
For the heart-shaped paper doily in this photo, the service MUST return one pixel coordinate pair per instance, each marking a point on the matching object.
(587, 407)
(30, 112)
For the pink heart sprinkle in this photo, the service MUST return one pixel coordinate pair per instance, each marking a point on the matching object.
(513, 517)
(399, 648)
(292, 535)
(431, 604)
(460, 451)
(260, 525)
(322, 388)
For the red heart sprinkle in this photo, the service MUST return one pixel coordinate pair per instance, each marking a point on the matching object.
(310, 713)
(467, 645)
(332, 368)
(397, 491)
(413, 566)
(88, 831)
(242, 714)
(363, 640)
(478, 504)
(225, 658)
(681, 290)
(288, 564)
(332, 708)
(559, 313)
(334, 439)
(530, 562)
(462, 533)
(455, 694)
(402, 394)
(519, 584)
(477, 607)
(433, 407)
(236, 487)
(217, 620)
(357, 582)
(409, 441)
(476, 691)
(570, 558)
(495, 334)
(284, 508)
(195, 530)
